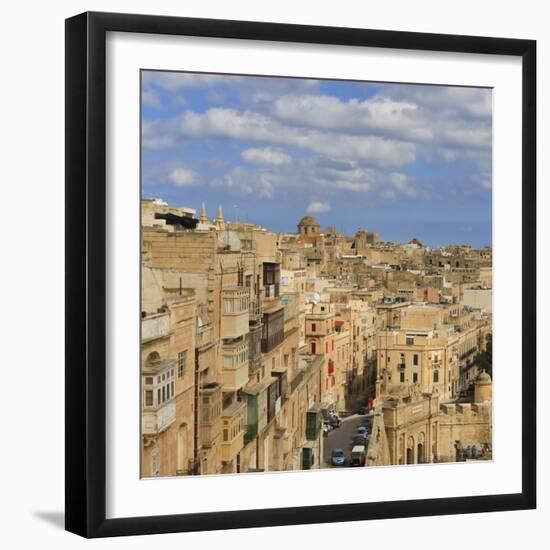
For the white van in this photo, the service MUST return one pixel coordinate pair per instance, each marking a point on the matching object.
(357, 456)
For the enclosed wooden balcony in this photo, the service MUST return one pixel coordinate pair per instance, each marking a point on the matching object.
(156, 420)
(233, 427)
(158, 394)
(210, 417)
(273, 329)
(235, 311)
(254, 338)
(235, 365)
(255, 311)
(205, 336)
(155, 326)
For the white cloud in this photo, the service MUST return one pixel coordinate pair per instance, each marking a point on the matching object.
(319, 207)
(150, 98)
(484, 179)
(402, 184)
(253, 126)
(296, 139)
(448, 101)
(157, 135)
(377, 115)
(266, 187)
(182, 177)
(325, 176)
(245, 181)
(453, 117)
(266, 157)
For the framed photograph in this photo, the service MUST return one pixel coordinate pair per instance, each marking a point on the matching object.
(300, 274)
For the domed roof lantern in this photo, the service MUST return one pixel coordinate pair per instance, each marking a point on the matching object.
(483, 378)
(307, 220)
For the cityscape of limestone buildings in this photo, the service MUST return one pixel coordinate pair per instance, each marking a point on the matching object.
(254, 342)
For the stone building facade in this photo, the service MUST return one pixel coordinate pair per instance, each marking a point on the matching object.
(250, 338)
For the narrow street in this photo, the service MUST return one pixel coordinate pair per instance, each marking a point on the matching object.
(341, 438)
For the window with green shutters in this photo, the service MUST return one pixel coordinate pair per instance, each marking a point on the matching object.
(313, 424)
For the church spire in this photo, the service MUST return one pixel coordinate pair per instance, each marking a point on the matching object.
(219, 220)
(203, 218)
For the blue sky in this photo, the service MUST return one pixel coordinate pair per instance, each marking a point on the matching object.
(404, 160)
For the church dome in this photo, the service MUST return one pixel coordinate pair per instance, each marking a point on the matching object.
(307, 220)
(483, 378)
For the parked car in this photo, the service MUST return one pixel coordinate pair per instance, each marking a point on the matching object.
(365, 423)
(360, 440)
(363, 410)
(334, 421)
(338, 457)
(357, 456)
(362, 430)
(326, 428)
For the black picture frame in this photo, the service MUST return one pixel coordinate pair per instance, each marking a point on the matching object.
(86, 274)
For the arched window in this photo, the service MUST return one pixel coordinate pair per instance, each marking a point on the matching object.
(410, 450)
(153, 357)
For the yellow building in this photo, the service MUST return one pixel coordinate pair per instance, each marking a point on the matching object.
(168, 384)
(250, 338)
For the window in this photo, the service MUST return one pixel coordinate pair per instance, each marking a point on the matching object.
(271, 274)
(410, 340)
(313, 327)
(159, 400)
(436, 376)
(149, 398)
(415, 377)
(149, 380)
(182, 360)
(415, 359)
(313, 348)
(401, 377)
